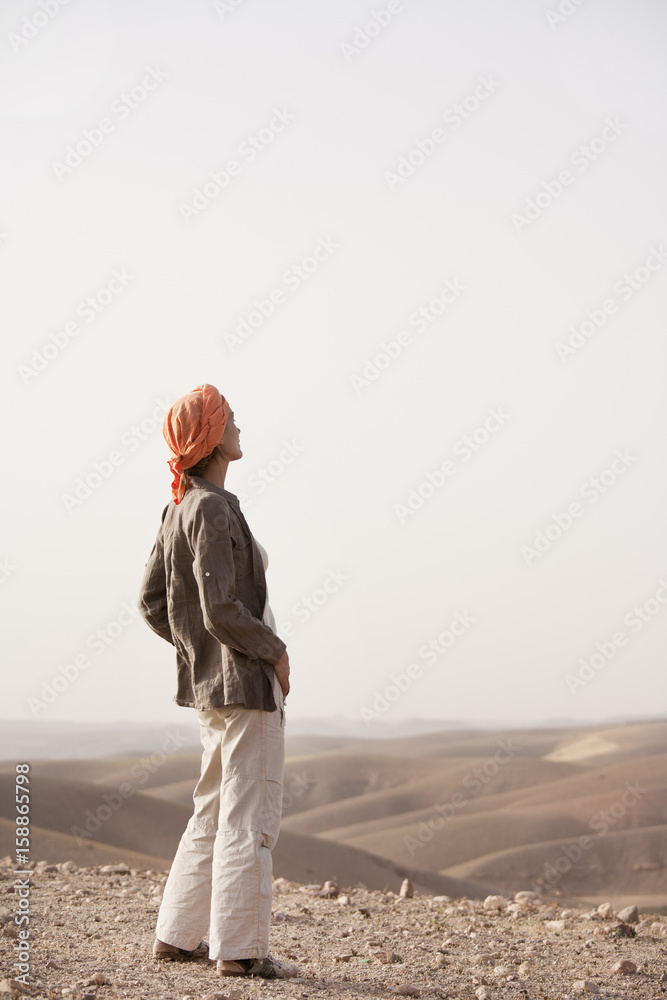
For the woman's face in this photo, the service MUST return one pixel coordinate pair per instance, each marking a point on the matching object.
(229, 447)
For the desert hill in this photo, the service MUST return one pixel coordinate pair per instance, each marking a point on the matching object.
(93, 824)
(497, 807)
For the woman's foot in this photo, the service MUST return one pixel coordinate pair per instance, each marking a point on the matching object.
(267, 968)
(170, 953)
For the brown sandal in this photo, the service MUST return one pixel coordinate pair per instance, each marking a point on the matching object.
(170, 953)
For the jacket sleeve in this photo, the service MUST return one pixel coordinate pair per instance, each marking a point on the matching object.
(153, 592)
(227, 619)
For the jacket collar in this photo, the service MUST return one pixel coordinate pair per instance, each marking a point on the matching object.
(205, 484)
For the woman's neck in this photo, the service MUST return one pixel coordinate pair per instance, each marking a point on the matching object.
(217, 471)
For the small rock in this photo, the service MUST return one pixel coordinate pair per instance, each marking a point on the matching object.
(623, 930)
(441, 899)
(629, 915)
(483, 959)
(586, 986)
(120, 869)
(483, 993)
(279, 916)
(387, 957)
(97, 979)
(343, 900)
(525, 969)
(406, 990)
(555, 925)
(440, 959)
(501, 970)
(624, 966)
(406, 890)
(495, 903)
(12, 986)
(329, 889)
(606, 911)
(525, 894)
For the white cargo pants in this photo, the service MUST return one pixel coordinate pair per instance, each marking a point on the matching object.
(220, 879)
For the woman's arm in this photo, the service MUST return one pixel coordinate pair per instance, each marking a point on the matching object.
(153, 592)
(226, 618)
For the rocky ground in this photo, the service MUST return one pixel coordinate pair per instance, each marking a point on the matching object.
(92, 931)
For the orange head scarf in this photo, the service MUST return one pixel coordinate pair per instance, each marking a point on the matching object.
(192, 427)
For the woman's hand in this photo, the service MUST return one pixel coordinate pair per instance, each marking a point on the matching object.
(282, 673)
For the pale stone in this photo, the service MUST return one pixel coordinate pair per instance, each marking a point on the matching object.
(606, 911)
(586, 986)
(495, 903)
(624, 966)
(629, 915)
(406, 890)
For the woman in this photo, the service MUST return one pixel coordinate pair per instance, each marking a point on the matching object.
(204, 591)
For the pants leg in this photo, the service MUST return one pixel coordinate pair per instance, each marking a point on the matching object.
(184, 913)
(253, 754)
(221, 874)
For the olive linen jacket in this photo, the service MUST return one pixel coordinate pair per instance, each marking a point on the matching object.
(204, 591)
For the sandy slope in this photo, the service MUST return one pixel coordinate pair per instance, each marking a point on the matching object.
(452, 802)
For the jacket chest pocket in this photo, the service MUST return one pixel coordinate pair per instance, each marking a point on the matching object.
(242, 552)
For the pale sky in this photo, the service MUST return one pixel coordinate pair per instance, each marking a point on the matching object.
(430, 278)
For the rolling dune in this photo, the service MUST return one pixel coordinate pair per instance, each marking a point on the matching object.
(493, 808)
